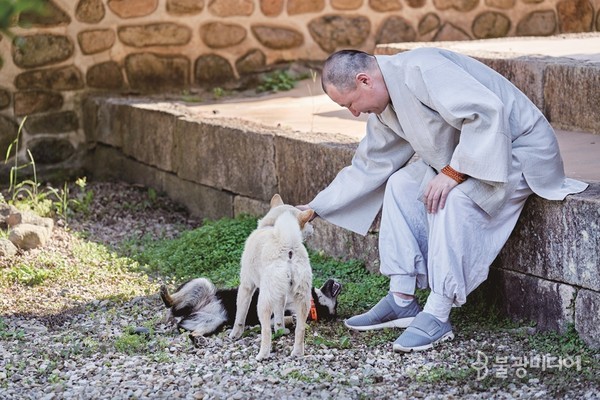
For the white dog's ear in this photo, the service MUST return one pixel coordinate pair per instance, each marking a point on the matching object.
(276, 201)
(305, 216)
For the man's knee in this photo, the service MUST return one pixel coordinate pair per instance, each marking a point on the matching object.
(400, 181)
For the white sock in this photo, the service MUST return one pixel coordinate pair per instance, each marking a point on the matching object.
(401, 301)
(438, 306)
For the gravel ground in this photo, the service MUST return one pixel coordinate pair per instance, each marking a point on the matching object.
(98, 332)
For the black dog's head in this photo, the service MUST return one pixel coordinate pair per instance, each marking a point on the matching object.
(325, 300)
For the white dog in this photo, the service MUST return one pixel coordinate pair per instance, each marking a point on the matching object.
(276, 261)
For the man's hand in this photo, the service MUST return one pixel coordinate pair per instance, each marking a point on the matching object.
(437, 192)
(304, 207)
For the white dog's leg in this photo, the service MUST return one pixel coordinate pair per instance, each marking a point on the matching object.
(278, 318)
(244, 297)
(303, 305)
(264, 311)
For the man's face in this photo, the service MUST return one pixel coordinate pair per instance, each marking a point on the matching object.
(369, 96)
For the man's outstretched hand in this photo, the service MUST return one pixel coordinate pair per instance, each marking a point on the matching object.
(304, 207)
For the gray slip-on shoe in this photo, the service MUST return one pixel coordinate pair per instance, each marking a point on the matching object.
(423, 333)
(385, 314)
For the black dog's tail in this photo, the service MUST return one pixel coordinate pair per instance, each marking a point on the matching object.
(189, 297)
(165, 296)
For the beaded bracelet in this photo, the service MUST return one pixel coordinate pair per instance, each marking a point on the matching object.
(452, 173)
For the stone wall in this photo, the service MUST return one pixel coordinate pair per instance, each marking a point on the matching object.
(164, 45)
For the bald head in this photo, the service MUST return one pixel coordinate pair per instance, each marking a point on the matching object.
(341, 68)
(353, 80)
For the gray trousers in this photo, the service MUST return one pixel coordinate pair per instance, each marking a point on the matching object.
(449, 251)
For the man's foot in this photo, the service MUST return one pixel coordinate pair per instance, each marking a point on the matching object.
(385, 314)
(423, 333)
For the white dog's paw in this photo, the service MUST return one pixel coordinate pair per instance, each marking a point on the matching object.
(236, 332)
(263, 355)
(297, 353)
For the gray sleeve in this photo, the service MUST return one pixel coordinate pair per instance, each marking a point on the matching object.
(353, 199)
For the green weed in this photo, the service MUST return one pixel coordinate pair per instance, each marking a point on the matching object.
(29, 275)
(277, 81)
(218, 92)
(131, 343)
(444, 374)
(190, 97)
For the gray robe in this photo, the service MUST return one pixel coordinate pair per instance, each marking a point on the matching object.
(448, 109)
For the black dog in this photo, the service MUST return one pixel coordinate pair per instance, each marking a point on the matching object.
(198, 306)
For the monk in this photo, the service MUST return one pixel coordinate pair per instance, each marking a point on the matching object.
(480, 148)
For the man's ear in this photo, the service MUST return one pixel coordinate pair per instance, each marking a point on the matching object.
(363, 79)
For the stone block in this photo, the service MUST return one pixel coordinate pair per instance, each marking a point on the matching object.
(565, 82)
(218, 35)
(149, 136)
(96, 40)
(587, 317)
(7, 248)
(343, 244)
(212, 70)
(524, 72)
(53, 15)
(307, 163)
(8, 133)
(395, 29)
(34, 101)
(28, 236)
(337, 31)
(277, 37)
(41, 49)
(159, 34)
(185, 7)
(105, 75)
(106, 121)
(524, 297)
(153, 72)
(50, 150)
(230, 8)
(537, 23)
(253, 61)
(272, 8)
(295, 7)
(201, 201)
(61, 78)
(106, 163)
(5, 98)
(132, 8)
(246, 205)
(229, 155)
(557, 240)
(90, 11)
(63, 121)
(346, 4)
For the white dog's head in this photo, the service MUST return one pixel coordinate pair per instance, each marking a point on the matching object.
(278, 207)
